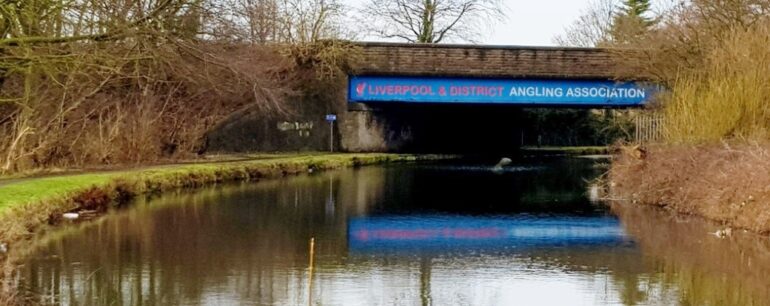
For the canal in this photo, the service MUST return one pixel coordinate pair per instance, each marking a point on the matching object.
(415, 234)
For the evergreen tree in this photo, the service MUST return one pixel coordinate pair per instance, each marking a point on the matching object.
(637, 9)
(631, 21)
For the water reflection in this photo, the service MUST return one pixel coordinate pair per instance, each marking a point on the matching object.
(405, 235)
(701, 268)
(438, 233)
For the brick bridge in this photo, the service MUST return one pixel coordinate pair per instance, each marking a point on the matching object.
(485, 61)
(410, 127)
(421, 127)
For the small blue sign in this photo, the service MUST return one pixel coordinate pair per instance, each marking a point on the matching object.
(593, 93)
(331, 118)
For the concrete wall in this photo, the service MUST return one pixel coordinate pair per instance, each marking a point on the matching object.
(363, 131)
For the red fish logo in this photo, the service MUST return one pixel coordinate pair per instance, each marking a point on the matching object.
(360, 89)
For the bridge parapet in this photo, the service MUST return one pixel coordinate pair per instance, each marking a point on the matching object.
(486, 61)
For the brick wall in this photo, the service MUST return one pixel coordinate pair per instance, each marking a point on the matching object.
(485, 61)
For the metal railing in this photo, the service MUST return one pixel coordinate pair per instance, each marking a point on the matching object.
(648, 128)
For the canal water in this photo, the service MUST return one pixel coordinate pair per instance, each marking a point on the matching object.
(416, 234)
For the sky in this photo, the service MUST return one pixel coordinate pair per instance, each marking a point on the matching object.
(535, 22)
(529, 22)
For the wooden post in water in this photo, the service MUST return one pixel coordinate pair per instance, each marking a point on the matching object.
(310, 274)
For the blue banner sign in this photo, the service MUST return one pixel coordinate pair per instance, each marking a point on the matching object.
(447, 233)
(589, 93)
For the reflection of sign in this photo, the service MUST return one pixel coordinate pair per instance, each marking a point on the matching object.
(500, 91)
(331, 118)
(448, 233)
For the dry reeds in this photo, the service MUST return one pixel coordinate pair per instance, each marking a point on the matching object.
(728, 97)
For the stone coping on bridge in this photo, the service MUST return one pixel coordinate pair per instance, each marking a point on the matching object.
(488, 61)
(475, 46)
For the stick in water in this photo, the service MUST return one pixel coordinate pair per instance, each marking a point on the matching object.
(310, 276)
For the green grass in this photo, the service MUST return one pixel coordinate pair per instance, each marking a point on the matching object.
(28, 190)
(34, 190)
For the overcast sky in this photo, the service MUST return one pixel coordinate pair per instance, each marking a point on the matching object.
(530, 22)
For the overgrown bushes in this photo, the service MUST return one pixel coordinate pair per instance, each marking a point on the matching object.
(714, 58)
(128, 102)
(115, 81)
(122, 81)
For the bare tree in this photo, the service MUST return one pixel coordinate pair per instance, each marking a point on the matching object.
(431, 21)
(311, 20)
(115, 81)
(687, 33)
(126, 81)
(592, 28)
(276, 21)
(262, 19)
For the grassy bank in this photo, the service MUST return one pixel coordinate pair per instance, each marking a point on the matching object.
(729, 184)
(27, 206)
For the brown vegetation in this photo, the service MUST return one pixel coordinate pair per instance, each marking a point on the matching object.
(143, 105)
(714, 59)
(729, 184)
(687, 35)
(727, 97)
(119, 81)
